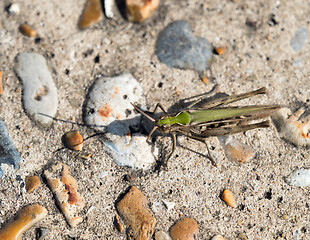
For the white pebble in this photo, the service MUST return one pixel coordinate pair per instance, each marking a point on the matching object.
(14, 9)
(133, 151)
(108, 8)
(168, 205)
(299, 178)
(161, 235)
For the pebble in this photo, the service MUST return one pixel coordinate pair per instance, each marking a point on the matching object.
(185, 229)
(32, 183)
(134, 210)
(290, 128)
(133, 151)
(108, 107)
(299, 178)
(108, 104)
(220, 50)
(235, 151)
(161, 235)
(64, 188)
(118, 224)
(27, 30)
(299, 38)
(9, 154)
(39, 90)
(41, 233)
(168, 205)
(109, 5)
(139, 10)
(92, 14)
(14, 9)
(218, 237)
(73, 140)
(177, 47)
(24, 220)
(229, 198)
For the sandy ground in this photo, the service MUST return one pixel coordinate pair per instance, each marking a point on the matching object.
(255, 57)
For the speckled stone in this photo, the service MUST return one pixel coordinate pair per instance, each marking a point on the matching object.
(39, 90)
(177, 47)
(9, 155)
(108, 109)
(136, 215)
(184, 229)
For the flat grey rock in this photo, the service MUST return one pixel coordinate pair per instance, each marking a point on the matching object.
(8, 153)
(39, 90)
(177, 47)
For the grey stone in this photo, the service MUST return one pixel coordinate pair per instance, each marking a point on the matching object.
(39, 90)
(177, 47)
(299, 38)
(8, 153)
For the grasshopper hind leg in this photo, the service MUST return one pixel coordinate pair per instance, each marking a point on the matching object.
(204, 140)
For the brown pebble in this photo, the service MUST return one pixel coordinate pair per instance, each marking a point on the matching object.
(27, 31)
(118, 224)
(1, 86)
(220, 50)
(25, 219)
(229, 198)
(134, 210)
(139, 10)
(92, 14)
(185, 229)
(32, 182)
(73, 140)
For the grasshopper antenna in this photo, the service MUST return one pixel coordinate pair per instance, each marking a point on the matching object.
(143, 113)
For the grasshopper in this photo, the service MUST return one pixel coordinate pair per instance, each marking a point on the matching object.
(211, 119)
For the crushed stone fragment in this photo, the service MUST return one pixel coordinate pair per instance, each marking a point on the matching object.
(64, 188)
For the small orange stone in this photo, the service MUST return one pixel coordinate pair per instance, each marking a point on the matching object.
(229, 198)
(27, 31)
(32, 183)
(205, 80)
(220, 50)
(73, 140)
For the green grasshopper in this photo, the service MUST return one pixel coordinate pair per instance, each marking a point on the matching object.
(211, 119)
